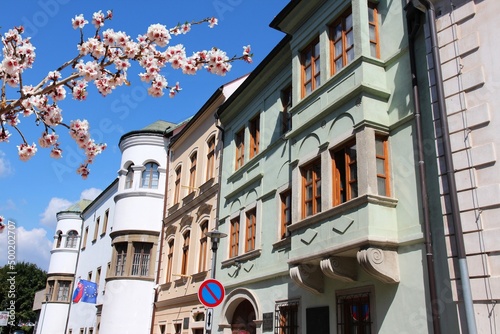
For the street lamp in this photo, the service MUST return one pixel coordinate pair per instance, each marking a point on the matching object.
(215, 236)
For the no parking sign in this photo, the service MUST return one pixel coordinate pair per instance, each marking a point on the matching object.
(211, 293)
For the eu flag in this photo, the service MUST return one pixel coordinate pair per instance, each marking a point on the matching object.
(86, 292)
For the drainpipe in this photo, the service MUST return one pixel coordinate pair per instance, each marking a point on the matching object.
(450, 171)
(414, 25)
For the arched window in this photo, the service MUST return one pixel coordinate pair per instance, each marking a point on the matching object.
(129, 178)
(71, 239)
(203, 247)
(192, 172)
(185, 253)
(150, 176)
(59, 239)
(211, 158)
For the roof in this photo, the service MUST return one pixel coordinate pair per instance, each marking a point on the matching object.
(79, 206)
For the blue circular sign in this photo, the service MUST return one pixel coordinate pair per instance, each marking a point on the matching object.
(211, 293)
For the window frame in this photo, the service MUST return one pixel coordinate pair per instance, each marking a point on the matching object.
(375, 24)
(96, 228)
(150, 176)
(170, 260)
(239, 141)
(121, 250)
(202, 264)
(185, 252)
(63, 287)
(286, 103)
(341, 20)
(342, 165)
(71, 239)
(366, 297)
(234, 236)
(254, 130)
(311, 47)
(286, 322)
(250, 229)
(129, 177)
(313, 183)
(141, 260)
(192, 171)
(177, 184)
(85, 236)
(105, 222)
(211, 157)
(285, 212)
(385, 158)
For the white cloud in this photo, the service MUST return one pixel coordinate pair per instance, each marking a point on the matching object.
(31, 246)
(5, 167)
(90, 194)
(48, 218)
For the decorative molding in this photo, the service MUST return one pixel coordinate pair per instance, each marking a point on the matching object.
(381, 264)
(340, 268)
(308, 277)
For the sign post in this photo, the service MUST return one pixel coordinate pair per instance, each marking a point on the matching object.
(209, 319)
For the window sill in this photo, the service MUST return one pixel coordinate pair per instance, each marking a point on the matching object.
(241, 258)
(283, 243)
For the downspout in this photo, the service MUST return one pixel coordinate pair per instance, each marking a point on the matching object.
(219, 181)
(414, 25)
(450, 171)
(160, 247)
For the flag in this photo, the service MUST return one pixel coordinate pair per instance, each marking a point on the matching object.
(86, 292)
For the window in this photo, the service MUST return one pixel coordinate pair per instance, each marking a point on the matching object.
(203, 247)
(89, 276)
(240, 148)
(192, 172)
(342, 42)
(150, 176)
(50, 290)
(286, 318)
(142, 258)
(85, 237)
(353, 313)
(286, 212)
(121, 258)
(310, 68)
(311, 188)
(177, 191)
(105, 224)
(63, 291)
(373, 29)
(254, 136)
(177, 328)
(129, 178)
(345, 183)
(382, 155)
(235, 236)
(96, 229)
(162, 329)
(71, 239)
(211, 158)
(250, 230)
(59, 239)
(286, 117)
(185, 253)
(98, 275)
(170, 258)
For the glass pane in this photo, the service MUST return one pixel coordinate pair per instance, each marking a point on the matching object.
(317, 81)
(308, 73)
(352, 153)
(318, 188)
(349, 39)
(380, 167)
(309, 192)
(307, 58)
(372, 33)
(338, 48)
(370, 14)
(379, 147)
(381, 186)
(350, 55)
(373, 50)
(308, 88)
(316, 66)
(318, 205)
(354, 190)
(309, 209)
(338, 64)
(337, 34)
(348, 22)
(316, 50)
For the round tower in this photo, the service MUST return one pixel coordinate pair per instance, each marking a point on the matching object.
(61, 273)
(136, 229)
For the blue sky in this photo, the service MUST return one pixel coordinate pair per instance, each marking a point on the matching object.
(32, 192)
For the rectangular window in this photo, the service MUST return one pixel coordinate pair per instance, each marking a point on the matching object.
(286, 103)
(382, 156)
(84, 242)
(96, 230)
(89, 276)
(98, 275)
(105, 223)
(142, 258)
(203, 247)
(286, 212)
(254, 136)
(170, 258)
(342, 42)
(121, 258)
(63, 291)
(185, 253)
(192, 172)
(211, 158)
(311, 188)
(177, 190)
(250, 230)
(286, 318)
(353, 313)
(345, 177)
(373, 29)
(50, 290)
(240, 148)
(234, 237)
(310, 67)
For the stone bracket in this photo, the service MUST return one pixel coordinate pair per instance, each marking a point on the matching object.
(340, 268)
(308, 277)
(381, 264)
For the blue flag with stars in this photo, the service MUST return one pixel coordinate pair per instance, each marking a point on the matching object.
(85, 292)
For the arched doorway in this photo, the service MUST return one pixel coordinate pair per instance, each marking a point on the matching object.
(243, 319)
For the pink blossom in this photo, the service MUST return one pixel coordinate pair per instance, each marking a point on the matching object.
(158, 33)
(56, 153)
(83, 171)
(4, 136)
(26, 151)
(98, 19)
(79, 22)
(212, 22)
